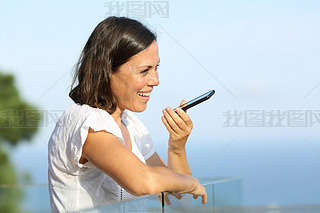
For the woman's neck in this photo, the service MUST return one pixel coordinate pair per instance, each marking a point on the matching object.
(117, 115)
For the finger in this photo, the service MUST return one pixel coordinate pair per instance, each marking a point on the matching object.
(166, 124)
(166, 199)
(204, 199)
(171, 118)
(195, 196)
(183, 102)
(170, 129)
(178, 196)
(159, 196)
(177, 119)
(184, 116)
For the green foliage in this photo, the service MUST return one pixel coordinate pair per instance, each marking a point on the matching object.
(19, 120)
(10, 197)
(7, 173)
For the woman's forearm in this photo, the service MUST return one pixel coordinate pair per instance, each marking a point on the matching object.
(167, 180)
(179, 125)
(177, 161)
(163, 179)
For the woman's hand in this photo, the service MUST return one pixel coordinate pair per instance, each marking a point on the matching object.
(199, 190)
(179, 126)
(166, 197)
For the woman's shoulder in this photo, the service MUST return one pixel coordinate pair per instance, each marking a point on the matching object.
(78, 109)
(83, 111)
(77, 119)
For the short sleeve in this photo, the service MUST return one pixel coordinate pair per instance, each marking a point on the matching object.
(74, 186)
(97, 120)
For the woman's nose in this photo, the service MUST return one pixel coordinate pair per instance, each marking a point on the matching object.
(154, 79)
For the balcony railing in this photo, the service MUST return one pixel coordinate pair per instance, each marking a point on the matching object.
(221, 192)
(224, 195)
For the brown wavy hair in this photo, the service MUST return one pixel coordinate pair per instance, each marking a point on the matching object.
(112, 43)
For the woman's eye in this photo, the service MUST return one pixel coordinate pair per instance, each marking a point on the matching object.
(144, 71)
(157, 66)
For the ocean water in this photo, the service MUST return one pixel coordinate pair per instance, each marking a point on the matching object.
(273, 173)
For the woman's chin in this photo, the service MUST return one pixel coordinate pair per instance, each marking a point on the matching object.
(139, 109)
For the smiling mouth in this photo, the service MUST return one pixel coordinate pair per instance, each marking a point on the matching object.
(144, 94)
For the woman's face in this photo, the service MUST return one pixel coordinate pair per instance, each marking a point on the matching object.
(133, 82)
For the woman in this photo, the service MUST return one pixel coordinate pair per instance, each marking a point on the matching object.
(100, 152)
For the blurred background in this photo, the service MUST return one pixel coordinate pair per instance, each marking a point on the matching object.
(261, 57)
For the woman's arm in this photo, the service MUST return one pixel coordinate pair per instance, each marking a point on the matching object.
(106, 152)
(156, 160)
(179, 126)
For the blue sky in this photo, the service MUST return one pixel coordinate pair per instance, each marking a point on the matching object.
(257, 55)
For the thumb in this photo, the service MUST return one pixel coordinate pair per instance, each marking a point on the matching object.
(183, 102)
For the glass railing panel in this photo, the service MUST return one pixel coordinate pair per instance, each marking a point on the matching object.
(220, 191)
(224, 195)
(227, 192)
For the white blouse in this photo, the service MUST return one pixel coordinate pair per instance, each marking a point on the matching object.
(74, 186)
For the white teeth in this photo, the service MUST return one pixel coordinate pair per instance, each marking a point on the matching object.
(144, 94)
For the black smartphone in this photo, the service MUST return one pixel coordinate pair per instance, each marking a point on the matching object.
(197, 100)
